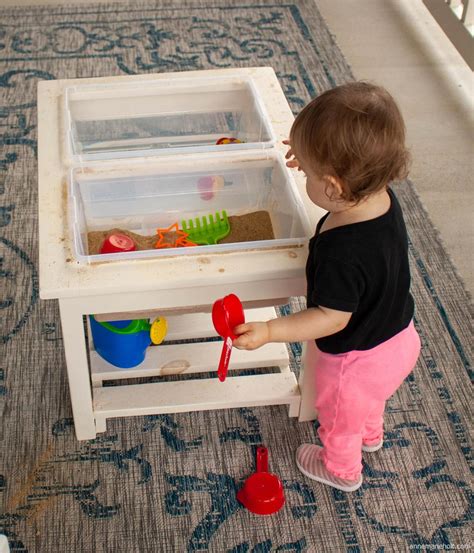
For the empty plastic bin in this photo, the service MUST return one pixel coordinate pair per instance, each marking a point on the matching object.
(164, 116)
(121, 343)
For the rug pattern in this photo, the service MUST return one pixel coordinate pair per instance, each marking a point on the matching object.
(167, 483)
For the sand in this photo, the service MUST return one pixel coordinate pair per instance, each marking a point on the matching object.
(243, 228)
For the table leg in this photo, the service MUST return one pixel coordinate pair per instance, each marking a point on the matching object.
(77, 370)
(307, 382)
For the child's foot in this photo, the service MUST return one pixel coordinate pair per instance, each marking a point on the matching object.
(370, 448)
(310, 463)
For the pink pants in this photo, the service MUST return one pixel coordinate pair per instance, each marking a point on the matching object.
(351, 391)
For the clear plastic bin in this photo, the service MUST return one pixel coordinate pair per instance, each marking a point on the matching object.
(169, 116)
(143, 196)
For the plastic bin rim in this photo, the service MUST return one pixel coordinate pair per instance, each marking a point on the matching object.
(135, 326)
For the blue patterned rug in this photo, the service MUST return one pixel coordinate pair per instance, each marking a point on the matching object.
(168, 483)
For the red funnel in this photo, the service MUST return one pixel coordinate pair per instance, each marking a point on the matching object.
(262, 492)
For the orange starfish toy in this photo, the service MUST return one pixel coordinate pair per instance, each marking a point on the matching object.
(172, 237)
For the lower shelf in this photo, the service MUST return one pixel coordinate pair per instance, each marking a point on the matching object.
(197, 395)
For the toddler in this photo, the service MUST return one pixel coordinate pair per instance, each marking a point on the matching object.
(350, 143)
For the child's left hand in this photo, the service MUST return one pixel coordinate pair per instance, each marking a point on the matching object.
(292, 162)
(251, 335)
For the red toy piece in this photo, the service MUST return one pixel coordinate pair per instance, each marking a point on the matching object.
(228, 140)
(116, 243)
(262, 492)
(227, 313)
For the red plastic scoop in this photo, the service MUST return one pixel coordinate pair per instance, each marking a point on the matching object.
(117, 243)
(227, 313)
(262, 492)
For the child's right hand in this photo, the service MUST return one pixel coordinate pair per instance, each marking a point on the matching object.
(293, 163)
(251, 335)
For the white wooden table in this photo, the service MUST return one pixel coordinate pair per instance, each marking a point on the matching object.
(181, 288)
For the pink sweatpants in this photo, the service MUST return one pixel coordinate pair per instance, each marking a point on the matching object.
(351, 391)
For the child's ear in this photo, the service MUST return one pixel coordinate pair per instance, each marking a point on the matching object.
(334, 188)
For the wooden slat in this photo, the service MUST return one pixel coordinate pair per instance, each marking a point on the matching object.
(196, 395)
(199, 325)
(153, 313)
(189, 358)
(196, 325)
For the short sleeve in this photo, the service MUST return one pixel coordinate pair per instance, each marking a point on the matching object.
(337, 285)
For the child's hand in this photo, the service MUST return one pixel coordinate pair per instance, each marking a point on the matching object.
(292, 163)
(251, 335)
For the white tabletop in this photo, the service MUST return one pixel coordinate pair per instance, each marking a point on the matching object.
(61, 276)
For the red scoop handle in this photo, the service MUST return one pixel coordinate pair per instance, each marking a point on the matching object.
(225, 358)
(262, 459)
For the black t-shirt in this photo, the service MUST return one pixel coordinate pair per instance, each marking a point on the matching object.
(362, 268)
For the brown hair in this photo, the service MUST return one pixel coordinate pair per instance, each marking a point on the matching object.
(354, 132)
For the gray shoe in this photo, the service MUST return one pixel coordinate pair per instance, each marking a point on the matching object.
(310, 463)
(372, 448)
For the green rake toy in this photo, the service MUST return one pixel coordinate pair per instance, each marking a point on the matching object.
(207, 230)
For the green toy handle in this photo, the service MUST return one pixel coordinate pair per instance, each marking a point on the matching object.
(135, 326)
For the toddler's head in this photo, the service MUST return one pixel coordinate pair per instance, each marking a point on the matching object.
(354, 133)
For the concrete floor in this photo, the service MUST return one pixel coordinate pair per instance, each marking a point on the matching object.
(397, 44)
